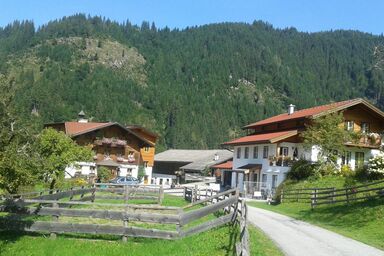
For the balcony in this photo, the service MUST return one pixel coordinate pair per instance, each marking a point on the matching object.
(282, 161)
(112, 142)
(370, 140)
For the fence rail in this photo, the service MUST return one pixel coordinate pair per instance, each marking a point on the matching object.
(181, 218)
(323, 196)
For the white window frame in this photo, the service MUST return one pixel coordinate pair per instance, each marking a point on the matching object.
(255, 152)
(265, 152)
(238, 153)
(246, 152)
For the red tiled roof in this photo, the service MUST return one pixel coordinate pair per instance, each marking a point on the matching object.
(226, 165)
(308, 112)
(263, 138)
(72, 128)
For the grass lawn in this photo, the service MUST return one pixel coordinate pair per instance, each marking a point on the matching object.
(219, 241)
(260, 244)
(363, 221)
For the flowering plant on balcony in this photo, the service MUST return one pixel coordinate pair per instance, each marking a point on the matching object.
(131, 158)
(120, 159)
(111, 141)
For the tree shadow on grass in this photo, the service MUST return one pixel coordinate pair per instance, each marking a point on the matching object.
(355, 215)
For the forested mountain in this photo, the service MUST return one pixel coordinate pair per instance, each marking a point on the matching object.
(195, 87)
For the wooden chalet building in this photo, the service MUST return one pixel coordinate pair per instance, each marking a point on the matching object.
(263, 158)
(122, 149)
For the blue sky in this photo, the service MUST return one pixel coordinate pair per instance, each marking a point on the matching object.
(308, 15)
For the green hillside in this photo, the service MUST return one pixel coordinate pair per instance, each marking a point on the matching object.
(195, 87)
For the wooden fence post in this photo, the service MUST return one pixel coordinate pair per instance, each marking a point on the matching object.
(161, 195)
(313, 199)
(333, 195)
(195, 194)
(297, 195)
(126, 194)
(93, 194)
(184, 193)
(54, 218)
(347, 195)
(282, 196)
(82, 194)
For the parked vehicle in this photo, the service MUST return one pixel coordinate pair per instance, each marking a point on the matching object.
(125, 180)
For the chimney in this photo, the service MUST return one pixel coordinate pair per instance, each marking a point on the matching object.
(291, 109)
(216, 157)
(81, 117)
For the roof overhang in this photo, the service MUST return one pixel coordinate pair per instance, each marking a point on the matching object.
(250, 167)
(265, 138)
(114, 124)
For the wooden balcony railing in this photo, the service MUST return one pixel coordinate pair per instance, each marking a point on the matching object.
(370, 140)
(113, 142)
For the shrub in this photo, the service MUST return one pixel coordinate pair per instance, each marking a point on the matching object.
(78, 182)
(376, 167)
(302, 170)
(104, 174)
(346, 171)
(327, 169)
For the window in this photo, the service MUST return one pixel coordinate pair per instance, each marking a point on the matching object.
(146, 149)
(364, 127)
(264, 179)
(346, 158)
(265, 151)
(129, 172)
(238, 153)
(359, 159)
(349, 125)
(274, 181)
(145, 163)
(246, 152)
(283, 151)
(256, 152)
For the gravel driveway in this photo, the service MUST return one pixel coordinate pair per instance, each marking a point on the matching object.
(297, 238)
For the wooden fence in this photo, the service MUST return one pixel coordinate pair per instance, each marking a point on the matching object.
(301, 195)
(192, 194)
(183, 219)
(130, 192)
(323, 196)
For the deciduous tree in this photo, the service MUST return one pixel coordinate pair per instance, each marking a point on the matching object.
(58, 151)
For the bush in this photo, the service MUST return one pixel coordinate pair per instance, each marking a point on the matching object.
(78, 182)
(104, 174)
(327, 169)
(346, 171)
(302, 170)
(376, 167)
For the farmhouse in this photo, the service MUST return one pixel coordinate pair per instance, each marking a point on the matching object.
(184, 165)
(121, 149)
(262, 159)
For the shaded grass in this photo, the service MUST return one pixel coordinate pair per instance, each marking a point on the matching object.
(362, 221)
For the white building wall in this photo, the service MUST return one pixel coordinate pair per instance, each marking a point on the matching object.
(84, 168)
(281, 171)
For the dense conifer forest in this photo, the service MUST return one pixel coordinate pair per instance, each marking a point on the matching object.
(195, 87)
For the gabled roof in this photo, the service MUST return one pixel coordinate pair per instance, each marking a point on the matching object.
(315, 112)
(75, 129)
(227, 165)
(262, 138)
(195, 160)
